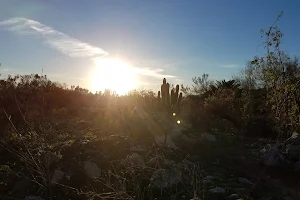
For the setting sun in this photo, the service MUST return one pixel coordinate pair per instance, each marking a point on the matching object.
(113, 74)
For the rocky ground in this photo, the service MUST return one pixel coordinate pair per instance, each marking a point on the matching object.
(85, 163)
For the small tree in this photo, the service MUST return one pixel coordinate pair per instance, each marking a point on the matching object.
(279, 74)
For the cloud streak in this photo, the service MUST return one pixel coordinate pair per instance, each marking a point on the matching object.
(56, 39)
(3, 70)
(66, 44)
(230, 66)
(152, 72)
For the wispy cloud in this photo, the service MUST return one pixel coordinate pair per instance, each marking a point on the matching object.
(3, 70)
(66, 44)
(157, 73)
(230, 66)
(56, 39)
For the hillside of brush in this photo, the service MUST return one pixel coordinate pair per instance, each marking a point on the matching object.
(214, 139)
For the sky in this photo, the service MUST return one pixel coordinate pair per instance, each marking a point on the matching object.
(176, 39)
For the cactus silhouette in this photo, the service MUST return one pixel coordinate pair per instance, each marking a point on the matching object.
(170, 101)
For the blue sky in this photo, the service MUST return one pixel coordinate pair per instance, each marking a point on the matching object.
(178, 39)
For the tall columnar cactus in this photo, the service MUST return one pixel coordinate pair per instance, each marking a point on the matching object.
(165, 95)
(175, 99)
(170, 101)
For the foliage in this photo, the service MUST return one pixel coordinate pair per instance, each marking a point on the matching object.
(264, 99)
(45, 126)
(279, 75)
(200, 85)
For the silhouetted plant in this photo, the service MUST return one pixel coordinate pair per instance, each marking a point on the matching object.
(170, 101)
(279, 75)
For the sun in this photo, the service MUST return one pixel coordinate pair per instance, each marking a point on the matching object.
(113, 74)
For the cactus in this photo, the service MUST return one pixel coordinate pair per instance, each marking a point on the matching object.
(165, 87)
(172, 101)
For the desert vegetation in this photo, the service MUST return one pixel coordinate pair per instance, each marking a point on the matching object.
(214, 139)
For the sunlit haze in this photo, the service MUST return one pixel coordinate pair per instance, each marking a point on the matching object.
(149, 99)
(113, 74)
(137, 43)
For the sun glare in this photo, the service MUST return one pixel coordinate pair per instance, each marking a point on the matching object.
(113, 74)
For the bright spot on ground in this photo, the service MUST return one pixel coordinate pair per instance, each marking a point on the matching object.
(174, 114)
(178, 121)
